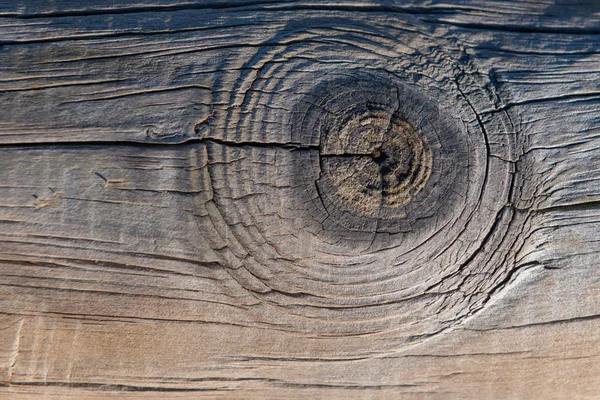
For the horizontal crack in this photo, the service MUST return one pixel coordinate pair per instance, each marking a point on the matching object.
(102, 143)
(587, 205)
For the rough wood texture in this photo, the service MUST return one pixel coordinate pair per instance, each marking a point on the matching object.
(306, 199)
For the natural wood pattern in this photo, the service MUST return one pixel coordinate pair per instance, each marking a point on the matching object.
(182, 211)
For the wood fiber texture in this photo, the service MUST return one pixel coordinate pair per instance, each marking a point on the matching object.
(302, 199)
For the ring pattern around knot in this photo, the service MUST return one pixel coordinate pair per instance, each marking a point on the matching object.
(361, 189)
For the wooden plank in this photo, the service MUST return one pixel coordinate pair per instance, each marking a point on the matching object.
(201, 199)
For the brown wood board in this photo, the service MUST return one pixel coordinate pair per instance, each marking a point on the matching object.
(304, 199)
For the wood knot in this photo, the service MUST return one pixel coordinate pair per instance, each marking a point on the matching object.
(375, 160)
(388, 157)
(360, 197)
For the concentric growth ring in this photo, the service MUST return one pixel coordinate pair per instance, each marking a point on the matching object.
(357, 189)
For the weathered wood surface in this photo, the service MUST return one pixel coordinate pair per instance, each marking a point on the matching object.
(172, 226)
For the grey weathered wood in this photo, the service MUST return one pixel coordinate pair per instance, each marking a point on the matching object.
(158, 236)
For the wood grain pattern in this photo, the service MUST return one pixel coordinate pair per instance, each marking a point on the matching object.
(182, 212)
